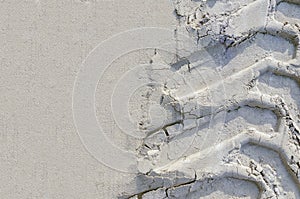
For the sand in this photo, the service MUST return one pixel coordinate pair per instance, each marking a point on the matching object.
(152, 100)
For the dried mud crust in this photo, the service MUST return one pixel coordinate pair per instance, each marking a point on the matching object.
(256, 154)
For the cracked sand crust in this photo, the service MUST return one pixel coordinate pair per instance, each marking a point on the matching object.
(270, 161)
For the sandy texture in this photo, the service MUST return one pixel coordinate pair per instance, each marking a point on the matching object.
(150, 100)
(42, 46)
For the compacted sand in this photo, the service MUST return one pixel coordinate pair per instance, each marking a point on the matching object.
(147, 99)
